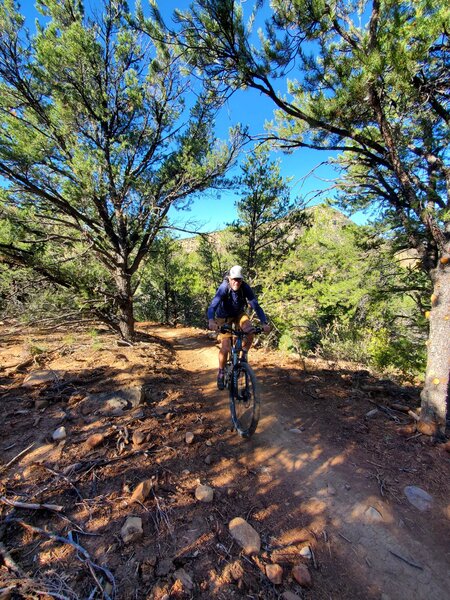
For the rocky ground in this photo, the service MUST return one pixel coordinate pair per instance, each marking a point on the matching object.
(121, 477)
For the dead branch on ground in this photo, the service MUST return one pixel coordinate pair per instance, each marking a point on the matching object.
(81, 553)
(30, 505)
(13, 460)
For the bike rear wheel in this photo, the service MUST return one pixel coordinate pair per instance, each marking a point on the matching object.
(244, 400)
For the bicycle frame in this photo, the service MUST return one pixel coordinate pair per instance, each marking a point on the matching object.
(234, 357)
(240, 380)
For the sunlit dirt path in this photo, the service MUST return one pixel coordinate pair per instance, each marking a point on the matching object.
(365, 544)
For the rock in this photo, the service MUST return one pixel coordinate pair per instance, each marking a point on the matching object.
(139, 437)
(41, 377)
(372, 413)
(138, 413)
(189, 437)
(142, 491)
(306, 552)
(59, 434)
(113, 407)
(94, 440)
(132, 529)
(208, 442)
(372, 515)
(290, 596)
(113, 403)
(302, 575)
(185, 579)
(245, 535)
(418, 497)
(274, 573)
(208, 459)
(204, 493)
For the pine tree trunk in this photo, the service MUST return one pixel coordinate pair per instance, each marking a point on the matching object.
(125, 314)
(434, 395)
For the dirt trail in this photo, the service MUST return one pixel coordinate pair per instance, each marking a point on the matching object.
(325, 474)
(318, 468)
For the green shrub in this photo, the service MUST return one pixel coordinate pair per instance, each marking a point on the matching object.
(397, 353)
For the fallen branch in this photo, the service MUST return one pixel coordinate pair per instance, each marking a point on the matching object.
(409, 562)
(386, 410)
(65, 479)
(31, 506)
(82, 554)
(18, 366)
(13, 460)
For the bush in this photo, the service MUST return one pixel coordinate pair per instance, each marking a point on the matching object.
(397, 353)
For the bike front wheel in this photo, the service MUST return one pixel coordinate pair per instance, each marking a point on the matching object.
(244, 400)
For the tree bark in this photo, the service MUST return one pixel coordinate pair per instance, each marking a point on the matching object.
(434, 396)
(125, 313)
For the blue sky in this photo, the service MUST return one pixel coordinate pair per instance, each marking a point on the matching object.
(252, 109)
(249, 107)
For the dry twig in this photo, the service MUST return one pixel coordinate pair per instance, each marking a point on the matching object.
(30, 505)
(408, 562)
(13, 460)
(82, 554)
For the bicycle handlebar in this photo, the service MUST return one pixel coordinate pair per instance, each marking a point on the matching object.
(239, 332)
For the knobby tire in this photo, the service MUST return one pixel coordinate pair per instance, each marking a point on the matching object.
(244, 400)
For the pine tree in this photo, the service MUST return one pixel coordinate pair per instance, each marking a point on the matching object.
(99, 137)
(370, 80)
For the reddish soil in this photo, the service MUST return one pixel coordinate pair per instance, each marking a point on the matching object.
(323, 472)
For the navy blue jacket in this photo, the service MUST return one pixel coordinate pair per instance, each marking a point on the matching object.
(228, 303)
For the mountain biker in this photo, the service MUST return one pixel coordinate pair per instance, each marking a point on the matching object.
(228, 306)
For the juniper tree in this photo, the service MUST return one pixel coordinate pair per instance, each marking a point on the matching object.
(100, 134)
(268, 220)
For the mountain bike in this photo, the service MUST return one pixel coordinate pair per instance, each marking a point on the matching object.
(240, 380)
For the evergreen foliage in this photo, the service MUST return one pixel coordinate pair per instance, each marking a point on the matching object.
(267, 217)
(99, 137)
(336, 294)
(370, 80)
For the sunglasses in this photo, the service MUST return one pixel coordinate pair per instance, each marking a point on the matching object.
(236, 279)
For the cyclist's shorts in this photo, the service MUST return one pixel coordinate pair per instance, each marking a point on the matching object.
(238, 321)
